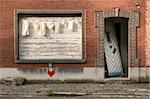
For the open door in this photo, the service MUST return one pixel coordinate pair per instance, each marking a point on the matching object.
(116, 47)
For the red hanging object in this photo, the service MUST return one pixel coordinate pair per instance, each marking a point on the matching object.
(50, 72)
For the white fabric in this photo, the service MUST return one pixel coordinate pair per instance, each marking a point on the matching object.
(35, 29)
(42, 28)
(70, 25)
(56, 27)
(59, 27)
(25, 27)
(50, 25)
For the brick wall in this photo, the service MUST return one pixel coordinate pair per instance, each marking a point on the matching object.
(147, 33)
(7, 8)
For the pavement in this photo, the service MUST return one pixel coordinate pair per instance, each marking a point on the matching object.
(76, 97)
(76, 89)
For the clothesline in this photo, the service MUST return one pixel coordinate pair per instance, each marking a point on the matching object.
(40, 27)
(53, 19)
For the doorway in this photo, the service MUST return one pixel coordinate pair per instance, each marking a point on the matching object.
(116, 47)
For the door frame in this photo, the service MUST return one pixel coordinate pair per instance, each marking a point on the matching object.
(133, 23)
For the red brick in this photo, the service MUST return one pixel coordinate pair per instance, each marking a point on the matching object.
(90, 6)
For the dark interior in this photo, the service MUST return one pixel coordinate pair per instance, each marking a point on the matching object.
(121, 28)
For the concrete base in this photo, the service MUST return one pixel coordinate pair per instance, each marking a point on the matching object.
(134, 74)
(145, 74)
(95, 74)
(87, 73)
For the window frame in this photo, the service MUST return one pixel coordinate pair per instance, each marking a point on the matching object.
(40, 13)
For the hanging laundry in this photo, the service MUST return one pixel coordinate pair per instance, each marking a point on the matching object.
(25, 27)
(42, 28)
(59, 27)
(36, 33)
(75, 26)
(79, 25)
(56, 27)
(70, 25)
(50, 26)
(65, 26)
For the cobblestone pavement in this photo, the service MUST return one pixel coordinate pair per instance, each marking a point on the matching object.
(76, 89)
(77, 97)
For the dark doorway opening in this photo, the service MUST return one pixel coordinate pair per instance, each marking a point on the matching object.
(116, 47)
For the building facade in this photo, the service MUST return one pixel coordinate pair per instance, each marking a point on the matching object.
(89, 60)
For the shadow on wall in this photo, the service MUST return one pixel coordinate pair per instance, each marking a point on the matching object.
(44, 70)
(32, 70)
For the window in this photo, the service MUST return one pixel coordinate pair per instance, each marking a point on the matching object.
(49, 37)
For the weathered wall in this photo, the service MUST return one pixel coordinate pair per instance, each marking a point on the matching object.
(147, 33)
(7, 8)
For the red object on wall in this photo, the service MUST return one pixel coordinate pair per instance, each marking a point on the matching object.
(50, 73)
